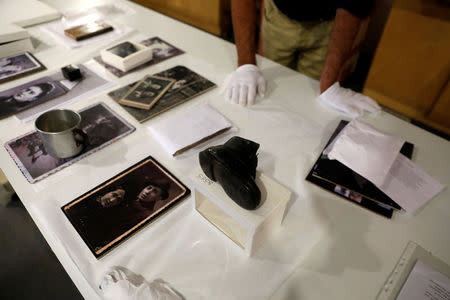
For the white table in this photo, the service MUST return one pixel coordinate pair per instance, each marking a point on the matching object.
(351, 255)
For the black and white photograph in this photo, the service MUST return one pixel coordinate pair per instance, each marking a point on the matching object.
(18, 65)
(111, 212)
(188, 85)
(123, 49)
(146, 92)
(161, 50)
(91, 83)
(29, 94)
(101, 125)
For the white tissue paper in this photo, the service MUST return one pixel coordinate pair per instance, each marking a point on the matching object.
(348, 101)
(117, 285)
(187, 129)
(366, 150)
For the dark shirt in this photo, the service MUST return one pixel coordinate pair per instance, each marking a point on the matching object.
(314, 10)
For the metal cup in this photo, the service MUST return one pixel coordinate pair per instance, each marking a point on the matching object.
(60, 132)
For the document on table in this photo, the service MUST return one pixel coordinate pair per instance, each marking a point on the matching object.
(188, 129)
(425, 283)
(366, 150)
(428, 280)
(408, 185)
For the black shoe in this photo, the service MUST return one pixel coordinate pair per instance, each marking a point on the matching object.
(233, 165)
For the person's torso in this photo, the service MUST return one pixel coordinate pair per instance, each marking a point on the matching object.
(304, 10)
(316, 10)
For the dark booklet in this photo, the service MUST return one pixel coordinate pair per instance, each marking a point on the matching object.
(111, 212)
(341, 180)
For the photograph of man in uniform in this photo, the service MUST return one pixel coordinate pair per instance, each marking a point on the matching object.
(100, 124)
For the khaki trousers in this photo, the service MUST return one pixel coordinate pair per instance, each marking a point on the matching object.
(301, 46)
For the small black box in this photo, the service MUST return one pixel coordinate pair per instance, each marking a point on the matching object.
(71, 72)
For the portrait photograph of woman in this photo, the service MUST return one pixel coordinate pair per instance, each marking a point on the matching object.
(29, 94)
(116, 209)
(18, 65)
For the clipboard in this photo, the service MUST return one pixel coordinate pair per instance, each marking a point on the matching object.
(412, 253)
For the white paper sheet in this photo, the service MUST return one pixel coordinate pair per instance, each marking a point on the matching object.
(185, 129)
(26, 12)
(365, 150)
(425, 283)
(408, 185)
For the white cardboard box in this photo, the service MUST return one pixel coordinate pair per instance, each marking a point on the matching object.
(11, 32)
(16, 47)
(248, 229)
(130, 61)
(26, 12)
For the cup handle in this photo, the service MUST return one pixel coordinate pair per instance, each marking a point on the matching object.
(80, 137)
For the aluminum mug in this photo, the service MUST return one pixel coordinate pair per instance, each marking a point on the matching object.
(60, 132)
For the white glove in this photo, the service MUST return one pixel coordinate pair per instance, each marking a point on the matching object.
(116, 285)
(246, 82)
(348, 101)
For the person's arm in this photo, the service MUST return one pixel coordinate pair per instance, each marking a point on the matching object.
(344, 31)
(244, 25)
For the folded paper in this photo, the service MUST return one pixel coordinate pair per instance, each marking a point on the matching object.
(185, 130)
(366, 150)
(348, 101)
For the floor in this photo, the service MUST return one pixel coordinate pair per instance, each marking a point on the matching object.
(28, 267)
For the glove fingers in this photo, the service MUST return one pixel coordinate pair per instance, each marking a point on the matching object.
(235, 94)
(369, 104)
(261, 86)
(228, 93)
(251, 95)
(243, 95)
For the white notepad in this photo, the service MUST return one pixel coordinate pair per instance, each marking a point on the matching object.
(185, 130)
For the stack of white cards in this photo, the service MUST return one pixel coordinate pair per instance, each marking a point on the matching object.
(14, 40)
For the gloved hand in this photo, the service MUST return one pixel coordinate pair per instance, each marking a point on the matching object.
(246, 83)
(348, 101)
(116, 285)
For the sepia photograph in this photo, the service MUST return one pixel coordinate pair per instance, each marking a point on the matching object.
(101, 125)
(161, 50)
(29, 94)
(88, 30)
(18, 65)
(146, 92)
(111, 212)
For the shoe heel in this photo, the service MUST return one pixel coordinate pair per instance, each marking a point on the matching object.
(206, 162)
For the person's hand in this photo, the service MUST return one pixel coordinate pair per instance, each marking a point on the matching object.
(246, 83)
(348, 101)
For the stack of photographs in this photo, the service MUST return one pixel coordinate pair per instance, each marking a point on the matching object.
(102, 126)
(341, 180)
(114, 210)
(88, 30)
(161, 50)
(187, 85)
(146, 92)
